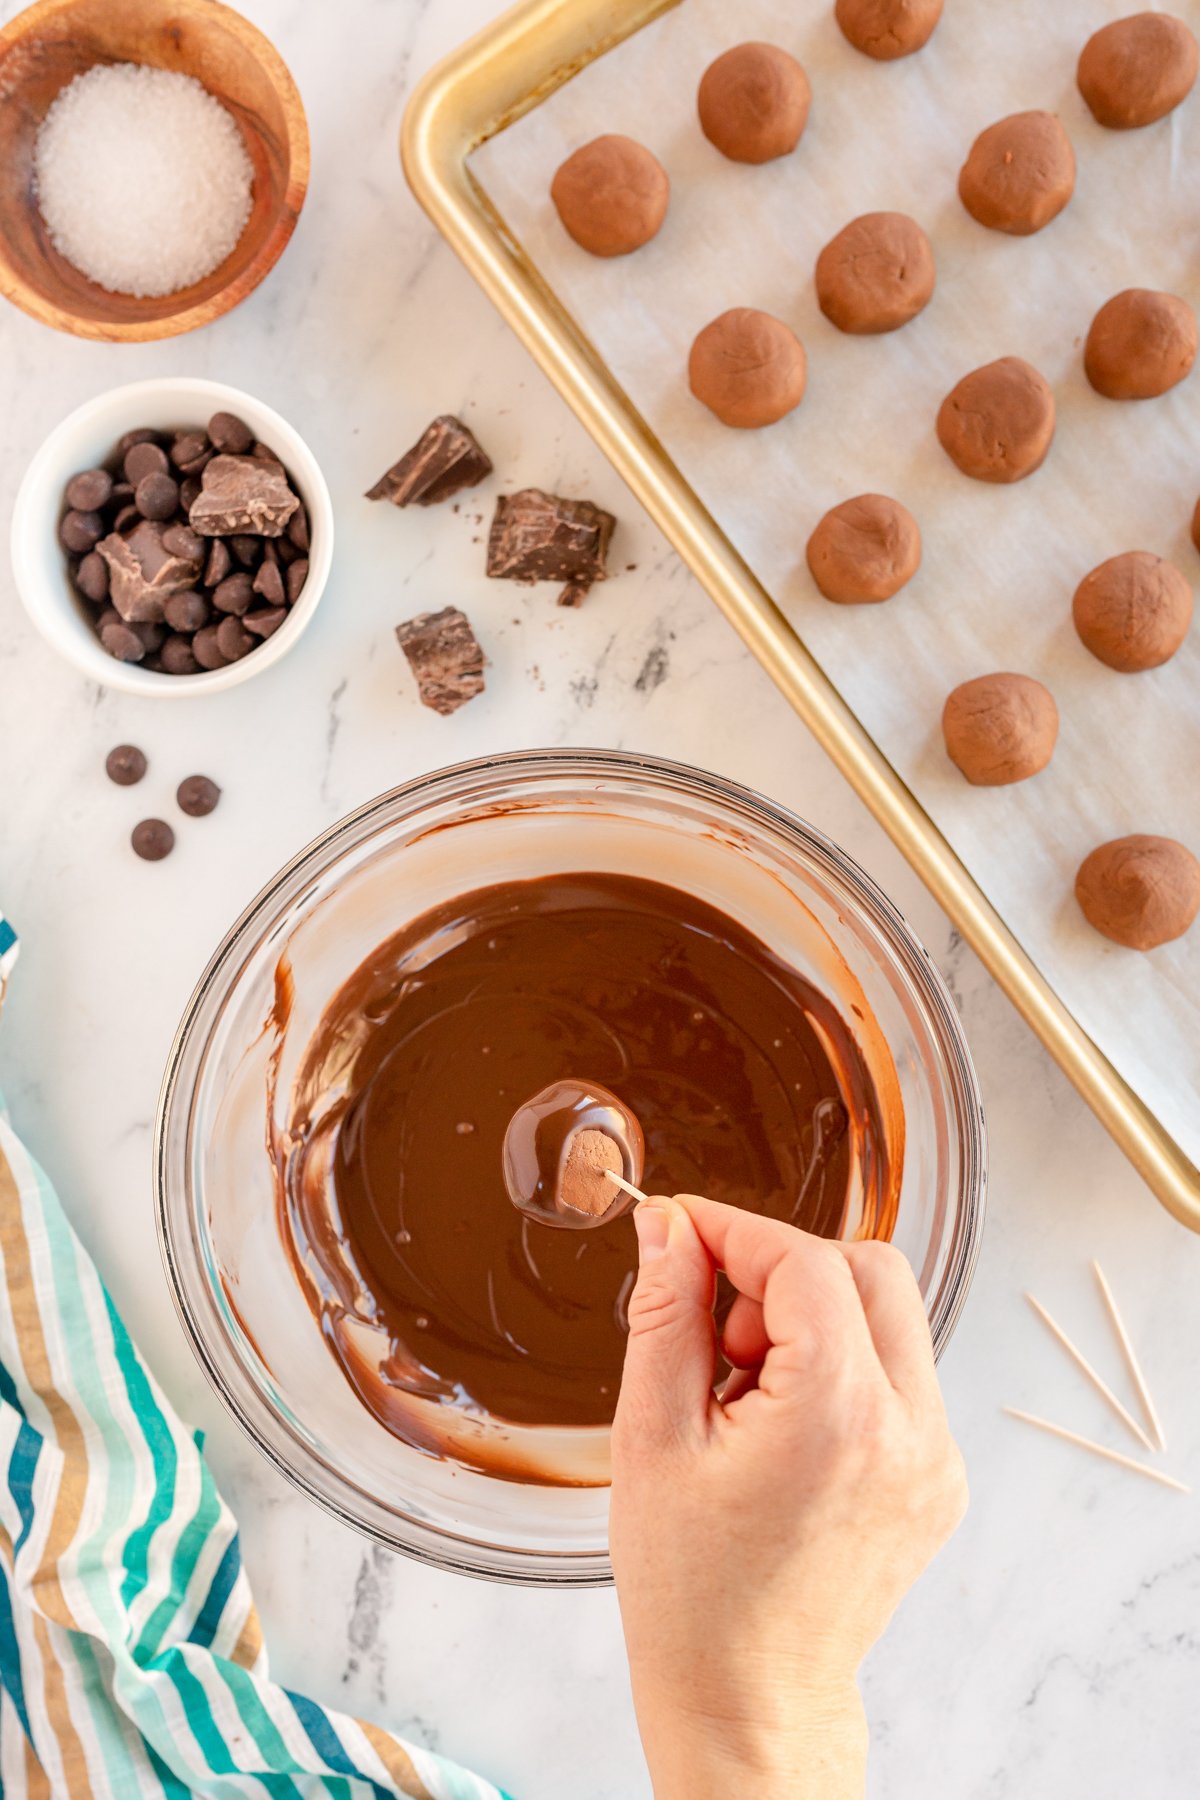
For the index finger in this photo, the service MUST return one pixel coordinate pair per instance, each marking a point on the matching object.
(805, 1287)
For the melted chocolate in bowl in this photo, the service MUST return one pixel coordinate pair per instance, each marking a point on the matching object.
(439, 1299)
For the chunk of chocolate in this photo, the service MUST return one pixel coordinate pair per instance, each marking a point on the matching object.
(444, 656)
(242, 494)
(544, 537)
(142, 572)
(444, 459)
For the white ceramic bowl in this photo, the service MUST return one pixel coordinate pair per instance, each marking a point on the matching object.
(87, 437)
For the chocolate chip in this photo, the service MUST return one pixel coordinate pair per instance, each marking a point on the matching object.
(91, 577)
(110, 616)
(143, 435)
(189, 492)
(297, 528)
(444, 655)
(264, 453)
(156, 496)
(247, 548)
(177, 657)
(187, 611)
(207, 650)
(190, 451)
(297, 575)
(81, 531)
(197, 796)
(444, 459)
(126, 765)
(284, 549)
(181, 540)
(152, 634)
(152, 839)
(235, 594)
(219, 562)
(269, 582)
(233, 640)
(122, 641)
(243, 494)
(229, 433)
(543, 537)
(154, 663)
(126, 519)
(266, 621)
(143, 459)
(121, 493)
(90, 490)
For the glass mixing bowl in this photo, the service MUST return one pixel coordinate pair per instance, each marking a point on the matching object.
(507, 818)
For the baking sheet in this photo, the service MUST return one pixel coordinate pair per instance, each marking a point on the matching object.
(1000, 563)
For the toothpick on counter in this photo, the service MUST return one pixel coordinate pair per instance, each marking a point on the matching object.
(1131, 1361)
(1115, 1456)
(1097, 1381)
(626, 1187)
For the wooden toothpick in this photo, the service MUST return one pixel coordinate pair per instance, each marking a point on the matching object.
(1097, 1381)
(626, 1187)
(1115, 1456)
(1131, 1361)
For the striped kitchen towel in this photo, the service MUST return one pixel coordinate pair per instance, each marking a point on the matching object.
(131, 1659)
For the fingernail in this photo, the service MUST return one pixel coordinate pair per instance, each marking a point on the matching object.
(652, 1226)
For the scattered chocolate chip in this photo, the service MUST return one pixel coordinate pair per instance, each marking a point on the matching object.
(206, 650)
(122, 641)
(235, 594)
(544, 537)
(152, 839)
(145, 459)
(233, 640)
(197, 796)
(81, 531)
(191, 448)
(186, 611)
(177, 658)
(297, 575)
(444, 459)
(297, 529)
(126, 765)
(266, 621)
(444, 655)
(247, 548)
(574, 594)
(189, 492)
(181, 540)
(141, 572)
(91, 577)
(156, 496)
(269, 582)
(90, 490)
(229, 433)
(219, 562)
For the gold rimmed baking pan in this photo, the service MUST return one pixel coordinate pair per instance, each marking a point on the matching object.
(479, 91)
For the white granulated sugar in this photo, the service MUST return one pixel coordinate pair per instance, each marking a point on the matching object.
(142, 178)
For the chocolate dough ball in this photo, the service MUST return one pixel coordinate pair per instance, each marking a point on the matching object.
(886, 29)
(876, 274)
(1140, 344)
(864, 550)
(997, 424)
(754, 103)
(611, 195)
(748, 368)
(1137, 69)
(1133, 612)
(1139, 891)
(1019, 174)
(1000, 728)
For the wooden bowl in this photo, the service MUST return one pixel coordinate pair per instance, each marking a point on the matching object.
(44, 48)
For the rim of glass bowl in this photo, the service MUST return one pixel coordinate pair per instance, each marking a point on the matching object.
(175, 1198)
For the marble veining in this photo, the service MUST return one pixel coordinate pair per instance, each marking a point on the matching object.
(1051, 1654)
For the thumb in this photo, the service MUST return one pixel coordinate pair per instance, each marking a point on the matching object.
(671, 1355)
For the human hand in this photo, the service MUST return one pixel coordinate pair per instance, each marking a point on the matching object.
(761, 1541)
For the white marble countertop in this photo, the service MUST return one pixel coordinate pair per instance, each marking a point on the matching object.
(1053, 1649)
